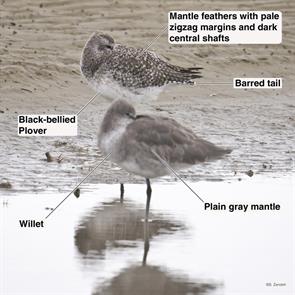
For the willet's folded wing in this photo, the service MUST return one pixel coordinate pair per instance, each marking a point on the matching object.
(137, 68)
(171, 141)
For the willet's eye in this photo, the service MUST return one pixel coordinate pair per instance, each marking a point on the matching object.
(109, 46)
(130, 115)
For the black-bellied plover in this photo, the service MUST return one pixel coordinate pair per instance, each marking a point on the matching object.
(136, 141)
(116, 71)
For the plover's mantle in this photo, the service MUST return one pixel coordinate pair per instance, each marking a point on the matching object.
(116, 70)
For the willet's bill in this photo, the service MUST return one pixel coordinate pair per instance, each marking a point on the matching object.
(116, 70)
(135, 140)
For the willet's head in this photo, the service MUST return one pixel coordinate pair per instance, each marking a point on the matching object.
(119, 114)
(96, 46)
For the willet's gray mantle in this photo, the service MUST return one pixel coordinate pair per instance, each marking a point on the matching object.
(116, 70)
(134, 139)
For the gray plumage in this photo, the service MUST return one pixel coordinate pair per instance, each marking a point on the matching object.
(132, 140)
(129, 71)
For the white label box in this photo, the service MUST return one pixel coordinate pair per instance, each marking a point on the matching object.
(47, 125)
(264, 83)
(225, 27)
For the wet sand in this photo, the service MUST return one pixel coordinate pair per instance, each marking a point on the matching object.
(94, 244)
(40, 52)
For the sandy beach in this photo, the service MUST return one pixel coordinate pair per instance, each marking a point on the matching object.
(40, 53)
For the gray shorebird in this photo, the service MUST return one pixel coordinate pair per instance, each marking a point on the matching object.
(137, 141)
(116, 70)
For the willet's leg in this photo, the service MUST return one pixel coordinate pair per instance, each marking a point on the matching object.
(121, 192)
(148, 198)
(146, 241)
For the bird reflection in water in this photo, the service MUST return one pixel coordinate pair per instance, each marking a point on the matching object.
(152, 280)
(117, 224)
(121, 225)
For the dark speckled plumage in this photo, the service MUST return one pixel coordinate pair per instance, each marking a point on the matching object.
(132, 68)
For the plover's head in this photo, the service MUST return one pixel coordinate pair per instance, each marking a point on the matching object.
(100, 42)
(119, 114)
(93, 52)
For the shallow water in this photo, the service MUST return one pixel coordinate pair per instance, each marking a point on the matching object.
(95, 244)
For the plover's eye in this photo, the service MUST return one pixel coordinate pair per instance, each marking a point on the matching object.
(109, 46)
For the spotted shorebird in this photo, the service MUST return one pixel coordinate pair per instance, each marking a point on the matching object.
(116, 70)
(139, 143)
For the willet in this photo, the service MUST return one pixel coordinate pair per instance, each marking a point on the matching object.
(116, 70)
(137, 141)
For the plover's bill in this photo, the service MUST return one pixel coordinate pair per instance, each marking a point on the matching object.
(115, 70)
(134, 140)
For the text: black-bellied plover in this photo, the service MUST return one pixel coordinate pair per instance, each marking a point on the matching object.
(116, 71)
(134, 141)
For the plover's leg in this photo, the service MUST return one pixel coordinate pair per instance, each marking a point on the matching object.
(146, 235)
(122, 192)
(148, 198)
